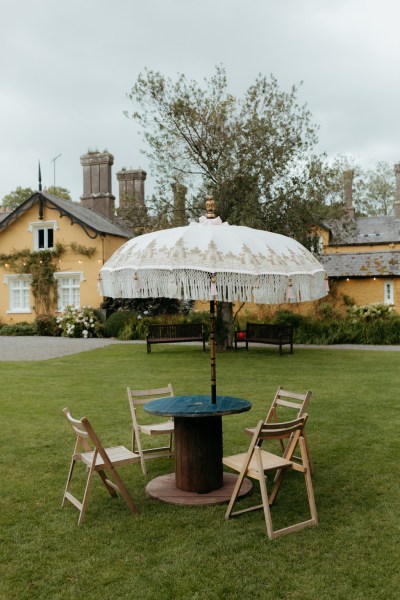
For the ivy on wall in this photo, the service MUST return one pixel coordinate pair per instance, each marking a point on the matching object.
(42, 266)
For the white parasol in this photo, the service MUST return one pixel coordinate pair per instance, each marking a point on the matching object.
(211, 260)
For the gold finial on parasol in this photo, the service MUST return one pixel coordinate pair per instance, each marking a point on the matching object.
(210, 207)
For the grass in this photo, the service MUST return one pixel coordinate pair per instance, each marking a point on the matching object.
(170, 552)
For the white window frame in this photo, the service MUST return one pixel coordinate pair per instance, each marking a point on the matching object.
(61, 277)
(318, 246)
(24, 304)
(388, 292)
(34, 228)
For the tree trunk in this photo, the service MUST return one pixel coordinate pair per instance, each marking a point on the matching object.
(224, 326)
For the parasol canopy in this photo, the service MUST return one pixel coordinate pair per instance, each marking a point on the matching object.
(214, 260)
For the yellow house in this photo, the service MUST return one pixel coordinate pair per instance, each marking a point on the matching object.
(362, 254)
(51, 249)
(49, 238)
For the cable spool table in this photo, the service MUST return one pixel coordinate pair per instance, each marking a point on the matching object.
(199, 478)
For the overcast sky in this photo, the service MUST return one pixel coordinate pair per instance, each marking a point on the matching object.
(66, 69)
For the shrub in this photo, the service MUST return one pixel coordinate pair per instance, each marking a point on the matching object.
(286, 317)
(150, 306)
(47, 325)
(116, 323)
(78, 322)
(370, 312)
(22, 328)
(135, 328)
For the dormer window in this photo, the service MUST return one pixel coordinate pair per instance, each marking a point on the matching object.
(43, 234)
(45, 238)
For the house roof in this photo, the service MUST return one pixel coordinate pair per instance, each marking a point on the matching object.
(92, 223)
(364, 230)
(368, 264)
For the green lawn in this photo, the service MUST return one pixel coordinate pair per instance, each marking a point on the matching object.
(169, 552)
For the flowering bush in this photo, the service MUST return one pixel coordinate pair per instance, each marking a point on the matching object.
(78, 322)
(370, 312)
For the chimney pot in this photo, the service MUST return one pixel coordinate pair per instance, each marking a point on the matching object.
(348, 176)
(97, 194)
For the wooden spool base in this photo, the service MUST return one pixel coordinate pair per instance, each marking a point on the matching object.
(164, 489)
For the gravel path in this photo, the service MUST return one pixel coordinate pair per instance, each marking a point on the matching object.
(14, 348)
(32, 347)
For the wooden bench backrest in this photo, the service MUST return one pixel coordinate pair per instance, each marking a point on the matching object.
(175, 330)
(269, 330)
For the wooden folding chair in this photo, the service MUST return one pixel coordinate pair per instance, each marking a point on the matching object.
(140, 398)
(294, 401)
(97, 460)
(256, 463)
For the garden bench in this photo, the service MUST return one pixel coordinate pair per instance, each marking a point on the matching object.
(175, 333)
(266, 333)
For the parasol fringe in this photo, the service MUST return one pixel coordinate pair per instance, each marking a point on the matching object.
(190, 284)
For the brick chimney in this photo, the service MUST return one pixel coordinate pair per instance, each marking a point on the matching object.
(131, 188)
(179, 190)
(97, 193)
(348, 192)
(396, 204)
(132, 207)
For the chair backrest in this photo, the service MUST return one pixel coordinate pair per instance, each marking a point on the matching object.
(278, 431)
(288, 400)
(85, 432)
(137, 397)
(282, 429)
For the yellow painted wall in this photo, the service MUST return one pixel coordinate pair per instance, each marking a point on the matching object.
(17, 237)
(359, 291)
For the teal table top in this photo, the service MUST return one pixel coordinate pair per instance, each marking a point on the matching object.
(196, 406)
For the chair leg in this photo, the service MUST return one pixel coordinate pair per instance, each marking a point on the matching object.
(136, 442)
(264, 496)
(124, 492)
(309, 485)
(235, 493)
(86, 496)
(68, 484)
(310, 460)
(104, 479)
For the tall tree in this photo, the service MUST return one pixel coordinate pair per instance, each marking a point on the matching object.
(12, 200)
(376, 190)
(254, 154)
(58, 191)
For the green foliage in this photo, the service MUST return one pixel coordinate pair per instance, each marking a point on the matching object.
(373, 324)
(47, 325)
(147, 306)
(135, 328)
(12, 200)
(374, 190)
(83, 250)
(286, 317)
(58, 191)
(22, 328)
(78, 322)
(116, 323)
(370, 312)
